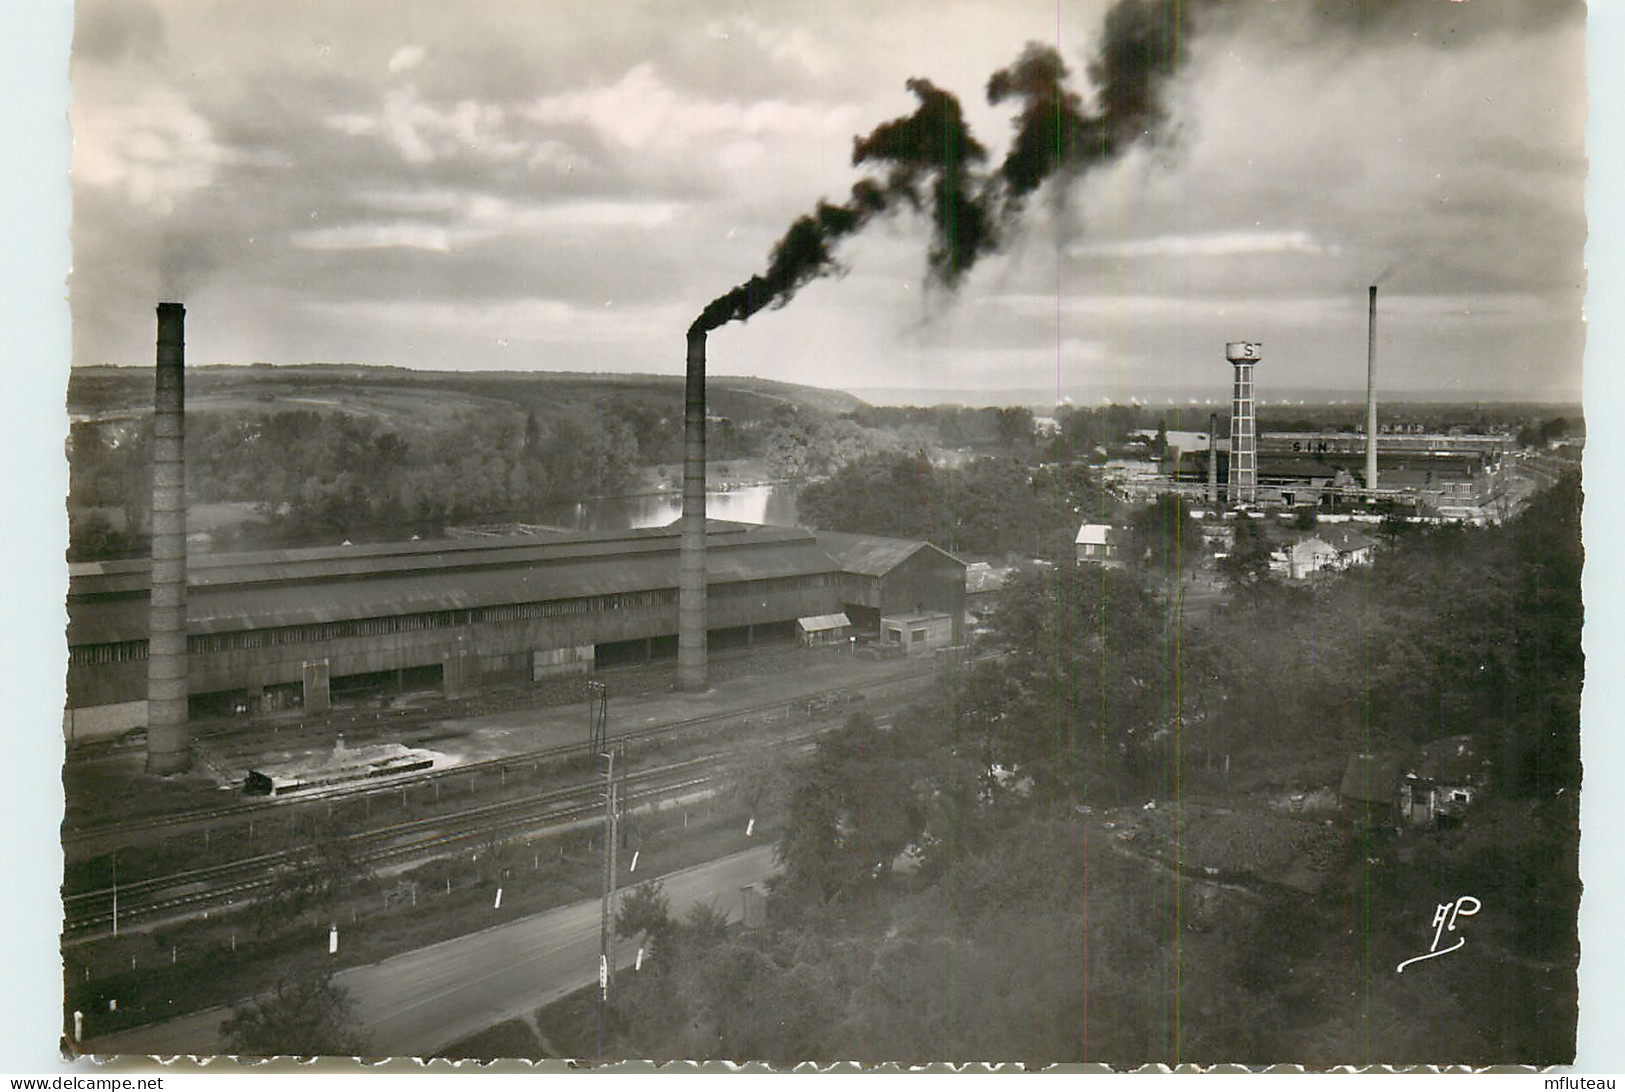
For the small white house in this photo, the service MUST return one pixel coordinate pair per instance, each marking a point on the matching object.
(1100, 543)
(1326, 548)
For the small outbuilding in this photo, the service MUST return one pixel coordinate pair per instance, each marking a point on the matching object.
(1442, 782)
(823, 629)
(917, 631)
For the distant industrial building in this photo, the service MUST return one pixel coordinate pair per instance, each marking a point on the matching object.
(1452, 476)
(301, 627)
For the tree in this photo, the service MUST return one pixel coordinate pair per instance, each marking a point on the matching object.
(889, 493)
(303, 1017)
(1014, 425)
(851, 811)
(1106, 674)
(646, 909)
(533, 432)
(1158, 447)
(1247, 563)
(1164, 537)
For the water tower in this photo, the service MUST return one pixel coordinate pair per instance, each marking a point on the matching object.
(1243, 481)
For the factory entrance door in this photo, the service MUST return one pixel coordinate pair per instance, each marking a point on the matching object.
(639, 650)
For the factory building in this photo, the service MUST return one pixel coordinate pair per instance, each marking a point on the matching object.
(301, 627)
(885, 577)
(1446, 478)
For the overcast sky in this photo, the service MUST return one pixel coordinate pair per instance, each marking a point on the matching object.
(563, 185)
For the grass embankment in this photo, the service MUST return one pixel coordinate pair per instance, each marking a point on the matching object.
(575, 1027)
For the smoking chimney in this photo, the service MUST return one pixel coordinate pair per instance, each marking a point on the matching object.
(168, 747)
(1371, 393)
(691, 555)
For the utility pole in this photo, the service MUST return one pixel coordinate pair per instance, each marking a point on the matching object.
(597, 715)
(606, 926)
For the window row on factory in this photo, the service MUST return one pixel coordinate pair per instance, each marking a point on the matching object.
(117, 652)
(316, 633)
(774, 585)
(412, 623)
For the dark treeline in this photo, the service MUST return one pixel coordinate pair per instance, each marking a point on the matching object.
(988, 507)
(953, 426)
(1026, 931)
(317, 475)
(314, 473)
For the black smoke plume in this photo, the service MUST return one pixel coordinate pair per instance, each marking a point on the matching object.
(1143, 46)
(925, 161)
(930, 162)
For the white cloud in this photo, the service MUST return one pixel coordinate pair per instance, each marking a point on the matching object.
(152, 149)
(642, 111)
(424, 133)
(515, 321)
(1211, 245)
(792, 46)
(447, 219)
(407, 57)
(375, 237)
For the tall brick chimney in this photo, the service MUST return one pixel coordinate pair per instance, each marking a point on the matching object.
(168, 742)
(691, 668)
(1371, 392)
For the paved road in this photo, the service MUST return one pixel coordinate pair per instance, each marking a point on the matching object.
(421, 1001)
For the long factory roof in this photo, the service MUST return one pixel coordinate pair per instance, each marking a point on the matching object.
(108, 601)
(872, 555)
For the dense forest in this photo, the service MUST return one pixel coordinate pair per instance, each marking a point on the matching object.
(343, 455)
(953, 888)
(989, 506)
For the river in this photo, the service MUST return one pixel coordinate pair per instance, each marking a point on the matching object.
(773, 504)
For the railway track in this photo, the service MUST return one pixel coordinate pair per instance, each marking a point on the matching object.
(246, 879)
(82, 840)
(249, 878)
